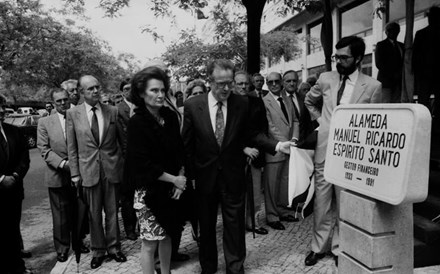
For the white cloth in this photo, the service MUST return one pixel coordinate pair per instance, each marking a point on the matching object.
(301, 169)
(131, 106)
(212, 105)
(99, 115)
(349, 87)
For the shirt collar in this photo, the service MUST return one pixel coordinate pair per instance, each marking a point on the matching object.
(352, 77)
(89, 107)
(60, 115)
(212, 102)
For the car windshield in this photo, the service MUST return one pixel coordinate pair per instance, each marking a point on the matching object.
(16, 121)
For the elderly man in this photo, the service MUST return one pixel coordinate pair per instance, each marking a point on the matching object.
(51, 140)
(280, 115)
(255, 158)
(347, 85)
(215, 132)
(14, 164)
(71, 86)
(258, 81)
(95, 160)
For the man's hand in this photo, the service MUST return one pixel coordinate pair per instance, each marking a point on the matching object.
(66, 166)
(8, 182)
(285, 146)
(251, 152)
(76, 180)
(176, 193)
(180, 182)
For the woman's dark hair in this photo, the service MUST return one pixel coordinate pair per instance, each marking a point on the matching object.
(140, 80)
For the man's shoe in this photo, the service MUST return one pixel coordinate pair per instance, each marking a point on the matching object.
(118, 256)
(179, 257)
(132, 236)
(313, 258)
(62, 257)
(276, 225)
(258, 230)
(84, 249)
(289, 219)
(97, 262)
(25, 254)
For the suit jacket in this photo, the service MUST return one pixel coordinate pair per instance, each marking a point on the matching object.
(280, 128)
(123, 118)
(53, 148)
(389, 61)
(366, 90)
(17, 160)
(86, 157)
(205, 158)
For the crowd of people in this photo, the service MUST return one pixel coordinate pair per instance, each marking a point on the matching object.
(165, 159)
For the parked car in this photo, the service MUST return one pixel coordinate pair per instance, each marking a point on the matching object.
(25, 110)
(28, 124)
(9, 111)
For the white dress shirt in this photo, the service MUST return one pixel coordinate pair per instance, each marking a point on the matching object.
(99, 115)
(349, 87)
(131, 106)
(63, 123)
(212, 104)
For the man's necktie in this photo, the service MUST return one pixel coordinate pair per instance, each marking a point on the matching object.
(95, 127)
(341, 90)
(283, 108)
(64, 126)
(292, 97)
(219, 124)
(4, 145)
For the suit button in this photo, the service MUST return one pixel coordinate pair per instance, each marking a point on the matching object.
(220, 168)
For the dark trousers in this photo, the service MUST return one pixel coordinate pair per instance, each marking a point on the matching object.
(62, 202)
(234, 246)
(10, 249)
(127, 212)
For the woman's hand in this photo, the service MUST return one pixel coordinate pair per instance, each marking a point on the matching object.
(180, 182)
(251, 152)
(176, 193)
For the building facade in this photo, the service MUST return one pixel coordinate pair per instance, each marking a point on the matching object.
(350, 17)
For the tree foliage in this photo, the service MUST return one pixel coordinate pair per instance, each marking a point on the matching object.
(38, 52)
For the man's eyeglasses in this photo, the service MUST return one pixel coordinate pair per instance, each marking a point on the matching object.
(242, 84)
(224, 84)
(291, 81)
(273, 82)
(342, 58)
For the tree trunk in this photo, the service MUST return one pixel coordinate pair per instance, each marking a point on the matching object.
(327, 34)
(254, 10)
(408, 76)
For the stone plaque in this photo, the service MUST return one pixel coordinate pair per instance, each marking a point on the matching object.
(380, 150)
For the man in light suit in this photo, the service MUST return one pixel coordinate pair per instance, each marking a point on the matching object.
(95, 160)
(347, 85)
(125, 111)
(215, 133)
(71, 86)
(51, 140)
(14, 164)
(279, 111)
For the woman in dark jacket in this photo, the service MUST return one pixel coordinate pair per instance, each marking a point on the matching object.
(155, 160)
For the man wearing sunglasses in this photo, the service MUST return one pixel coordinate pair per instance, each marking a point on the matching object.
(347, 85)
(280, 114)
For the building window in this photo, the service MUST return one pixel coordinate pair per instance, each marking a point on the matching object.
(397, 8)
(316, 71)
(356, 19)
(314, 40)
(367, 65)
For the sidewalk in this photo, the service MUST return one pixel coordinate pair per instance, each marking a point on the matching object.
(279, 252)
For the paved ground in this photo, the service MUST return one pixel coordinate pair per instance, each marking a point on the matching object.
(279, 252)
